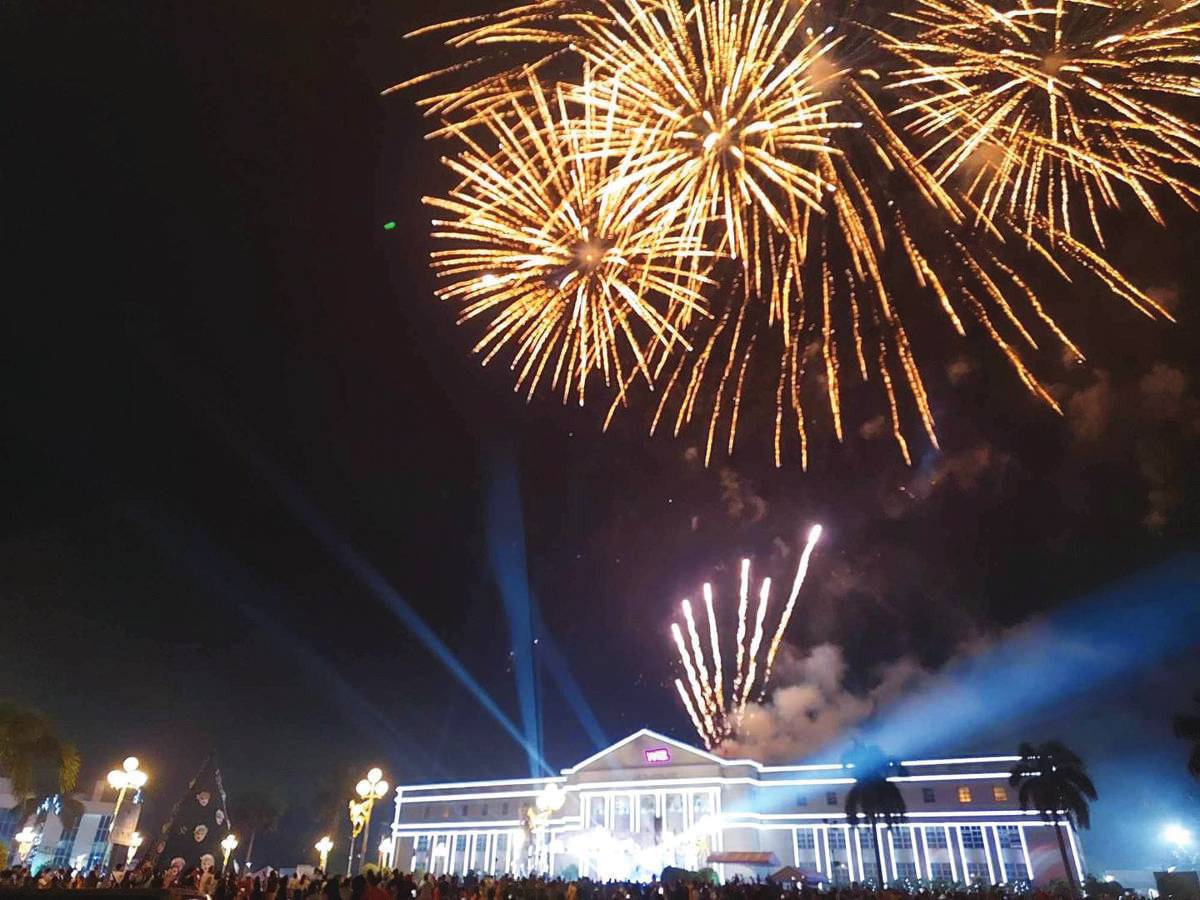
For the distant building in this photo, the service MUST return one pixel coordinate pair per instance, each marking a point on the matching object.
(650, 801)
(82, 845)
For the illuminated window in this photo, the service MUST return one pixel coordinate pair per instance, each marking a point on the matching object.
(831, 798)
(902, 839)
(999, 794)
(866, 837)
(928, 795)
(972, 837)
(837, 840)
(805, 839)
(907, 871)
(481, 842)
(964, 794)
(460, 842)
(1016, 871)
(935, 838)
(422, 843)
(976, 872)
(1009, 836)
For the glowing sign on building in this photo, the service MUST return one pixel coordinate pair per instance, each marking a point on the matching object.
(656, 756)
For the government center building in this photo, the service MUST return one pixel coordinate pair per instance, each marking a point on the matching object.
(649, 801)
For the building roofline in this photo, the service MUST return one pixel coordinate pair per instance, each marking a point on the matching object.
(708, 755)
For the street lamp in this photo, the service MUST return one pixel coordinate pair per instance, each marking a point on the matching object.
(323, 846)
(25, 839)
(228, 845)
(135, 841)
(121, 780)
(370, 789)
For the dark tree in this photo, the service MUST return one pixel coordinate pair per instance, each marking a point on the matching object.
(257, 810)
(1187, 728)
(38, 763)
(1054, 781)
(873, 797)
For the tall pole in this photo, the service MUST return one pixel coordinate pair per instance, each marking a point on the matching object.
(366, 840)
(350, 858)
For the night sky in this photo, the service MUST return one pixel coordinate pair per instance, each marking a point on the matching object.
(209, 331)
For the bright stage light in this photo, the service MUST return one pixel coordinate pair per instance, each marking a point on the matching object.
(1176, 835)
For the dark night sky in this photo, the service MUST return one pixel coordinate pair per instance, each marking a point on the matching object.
(201, 304)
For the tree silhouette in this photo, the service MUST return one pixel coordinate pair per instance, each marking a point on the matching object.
(257, 810)
(1054, 781)
(873, 797)
(38, 763)
(1187, 728)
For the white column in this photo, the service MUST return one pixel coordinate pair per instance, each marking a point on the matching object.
(1074, 851)
(892, 854)
(1000, 855)
(862, 872)
(987, 855)
(920, 832)
(1025, 853)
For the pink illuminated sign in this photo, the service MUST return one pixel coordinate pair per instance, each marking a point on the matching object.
(656, 756)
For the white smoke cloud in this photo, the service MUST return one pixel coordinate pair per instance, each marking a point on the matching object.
(812, 706)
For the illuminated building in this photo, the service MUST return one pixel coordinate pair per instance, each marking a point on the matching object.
(649, 801)
(63, 842)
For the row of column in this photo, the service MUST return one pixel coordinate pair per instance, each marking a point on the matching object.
(992, 853)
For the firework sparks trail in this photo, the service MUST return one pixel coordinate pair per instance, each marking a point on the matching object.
(691, 710)
(743, 607)
(715, 715)
(697, 689)
(715, 642)
(764, 596)
(814, 535)
(698, 652)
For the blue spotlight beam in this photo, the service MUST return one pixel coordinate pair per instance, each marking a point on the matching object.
(506, 552)
(554, 661)
(1120, 630)
(378, 586)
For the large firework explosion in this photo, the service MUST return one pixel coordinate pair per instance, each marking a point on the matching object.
(1047, 111)
(802, 182)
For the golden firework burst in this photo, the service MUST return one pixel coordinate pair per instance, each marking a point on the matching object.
(542, 255)
(1048, 111)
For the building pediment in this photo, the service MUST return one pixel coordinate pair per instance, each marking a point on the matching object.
(644, 751)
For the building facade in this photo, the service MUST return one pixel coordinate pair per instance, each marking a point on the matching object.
(64, 841)
(650, 801)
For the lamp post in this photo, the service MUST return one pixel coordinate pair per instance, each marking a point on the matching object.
(228, 845)
(25, 839)
(370, 789)
(121, 780)
(135, 841)
(323, 846)
(385, 851)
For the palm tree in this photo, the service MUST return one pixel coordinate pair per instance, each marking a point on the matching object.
(1187, 728)
(1054, 781)
(257, 810)
(873, 796)
(37, 762)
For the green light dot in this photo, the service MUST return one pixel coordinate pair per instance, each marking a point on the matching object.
(389, 226)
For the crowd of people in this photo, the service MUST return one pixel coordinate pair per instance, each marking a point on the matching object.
(376, 885)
